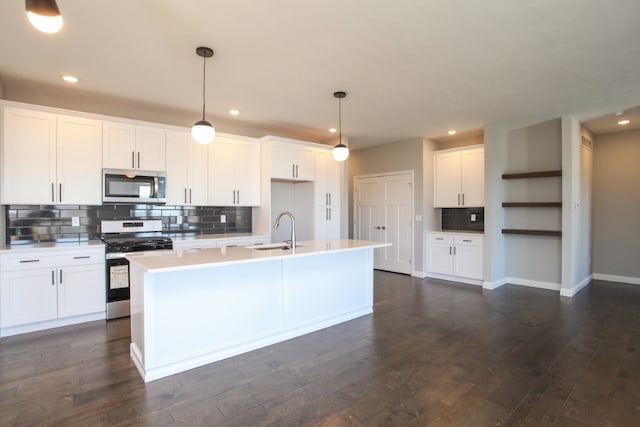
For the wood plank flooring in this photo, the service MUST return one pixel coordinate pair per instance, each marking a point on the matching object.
(433, 353)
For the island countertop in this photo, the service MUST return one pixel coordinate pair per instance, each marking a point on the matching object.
(188, 259)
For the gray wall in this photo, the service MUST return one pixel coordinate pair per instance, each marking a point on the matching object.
(396, 157)
(533, 258)
(616, 204)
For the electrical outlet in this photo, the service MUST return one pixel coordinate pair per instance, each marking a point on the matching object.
(178, 220)
(223, 219)
(418, 218)
(75, 221)
(473, 218)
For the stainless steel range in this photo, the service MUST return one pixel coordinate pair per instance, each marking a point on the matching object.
(121, 238)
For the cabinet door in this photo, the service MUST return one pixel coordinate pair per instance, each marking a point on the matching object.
(197, 166)
(327, 179)
(446, 179)
(282, 165)
(248, 174)
(304, 161)
(472, 177)
(28, 296)
(118, 145)
(222, 172)
(327, 223)
(79, 160)
(150, 149)
(28, 157)
(176, 164)
(468, 257)
(81, 290)
(440, 253)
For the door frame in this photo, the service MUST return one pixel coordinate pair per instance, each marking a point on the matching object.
(411, 173)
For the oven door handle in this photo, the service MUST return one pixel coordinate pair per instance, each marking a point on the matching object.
(155, 187)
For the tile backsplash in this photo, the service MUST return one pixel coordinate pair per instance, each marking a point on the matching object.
(460, 219)
(26, 224)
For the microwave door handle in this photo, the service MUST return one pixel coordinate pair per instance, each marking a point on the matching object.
(155, 187)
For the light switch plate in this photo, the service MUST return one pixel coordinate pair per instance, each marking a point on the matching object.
(473, 217)
(223, 219)
(75, 221)
(178, 220)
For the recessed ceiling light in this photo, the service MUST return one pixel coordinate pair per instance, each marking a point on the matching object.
(234, 112)
(70, 79)
(333, 130)
(451, 132)
(624, 122)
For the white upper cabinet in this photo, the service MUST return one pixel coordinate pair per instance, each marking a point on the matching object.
(127, 146)
(186, 170)
(292, 162)
(50, 158)
(458, 177)
(327, 181)
(234, 171)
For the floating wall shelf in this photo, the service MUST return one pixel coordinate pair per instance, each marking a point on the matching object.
(542, 174)
(531, 204)
(552, 233)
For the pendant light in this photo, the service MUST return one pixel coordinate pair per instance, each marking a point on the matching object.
(202, 131)
(340, 152)
(44, 15)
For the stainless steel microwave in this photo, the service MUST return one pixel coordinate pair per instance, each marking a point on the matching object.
(133, 186)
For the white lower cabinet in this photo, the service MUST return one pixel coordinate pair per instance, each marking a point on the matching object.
(456, 255)
(42, 287)
(327, 222)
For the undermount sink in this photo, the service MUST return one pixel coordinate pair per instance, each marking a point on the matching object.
(268, 246)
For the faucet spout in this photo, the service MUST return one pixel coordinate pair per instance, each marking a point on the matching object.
(293, 226)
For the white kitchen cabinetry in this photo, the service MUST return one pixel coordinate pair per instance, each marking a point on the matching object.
(234, 171)
(458, 176)
(46, 288)
(455, 255)
(290, 161)
(327, 196)
(127, 146)
(186, 170)
(50, 158)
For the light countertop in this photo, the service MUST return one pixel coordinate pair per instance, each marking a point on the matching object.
(53, 246)
(176, 260)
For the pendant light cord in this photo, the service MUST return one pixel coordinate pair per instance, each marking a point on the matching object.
(204, 79)
(340, 119)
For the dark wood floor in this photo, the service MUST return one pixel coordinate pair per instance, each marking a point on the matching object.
(433, 353)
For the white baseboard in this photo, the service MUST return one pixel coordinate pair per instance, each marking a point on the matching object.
(571, 292)
(614, 278)
(494, 285)
(419, 274)
(466, 280)
(533, 283)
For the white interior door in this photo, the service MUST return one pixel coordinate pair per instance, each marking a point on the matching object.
(384, 212)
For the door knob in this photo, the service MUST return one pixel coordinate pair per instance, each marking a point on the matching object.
(377, 227)
(383, 227)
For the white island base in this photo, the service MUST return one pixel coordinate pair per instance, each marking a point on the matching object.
(189, 309)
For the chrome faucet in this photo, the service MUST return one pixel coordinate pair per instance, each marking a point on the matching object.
(293, 227)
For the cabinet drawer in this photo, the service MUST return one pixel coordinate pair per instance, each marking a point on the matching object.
(468, 240)
(50, 258)
(440, 238)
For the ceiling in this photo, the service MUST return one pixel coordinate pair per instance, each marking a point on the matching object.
(411, 68)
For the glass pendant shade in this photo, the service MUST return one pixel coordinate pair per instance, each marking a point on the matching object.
(203, 132)
(44, 15)
(340, 152)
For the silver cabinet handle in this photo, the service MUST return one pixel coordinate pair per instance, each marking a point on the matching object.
(329, 198)
(185, 194)
(133, 159)
(326, 214)
(296, 171)
(60, 274)
(293, 171)
(450, 252)
(190, 199)
(466, 240)
(329, 214)
(53, 197)
(454, 250)
(439, 238)
(53, 278)
(462, 199)
(28, 260)
(238, 196)
(138, 160)
(60, 193)
(82, 257)
(234, 197)
(458, 199)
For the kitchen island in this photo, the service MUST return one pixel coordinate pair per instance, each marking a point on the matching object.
(193, 307)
